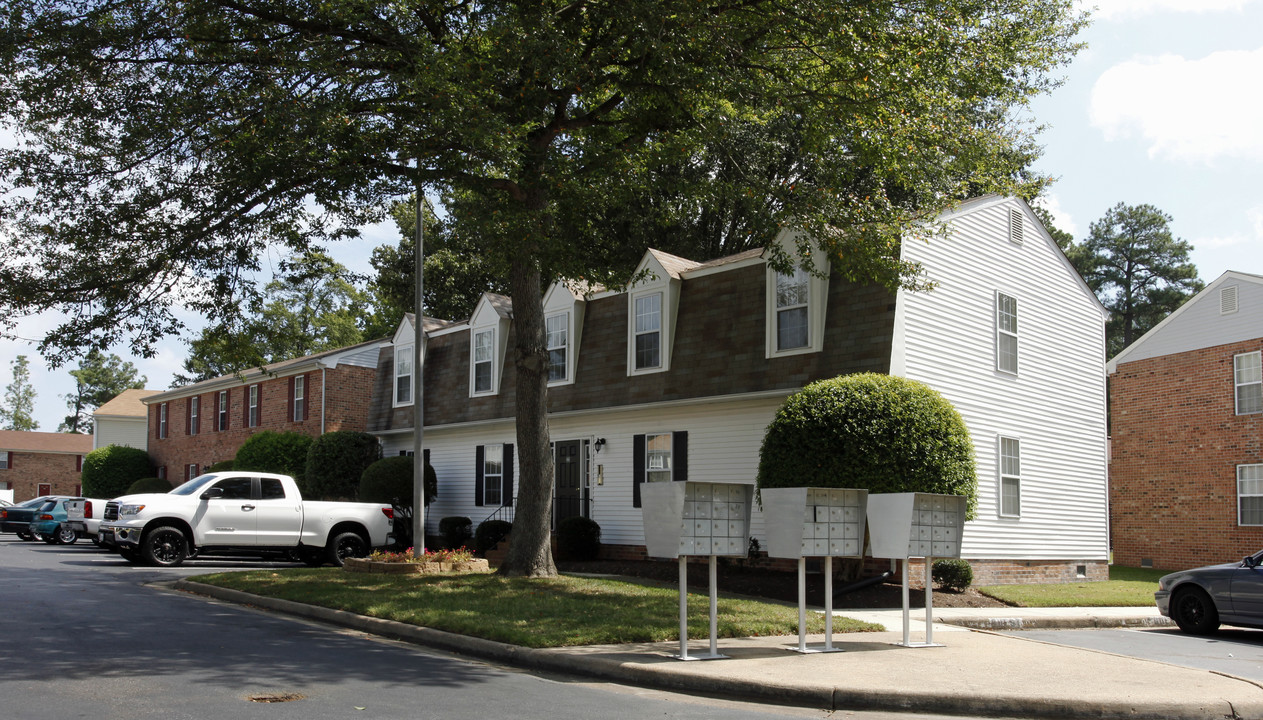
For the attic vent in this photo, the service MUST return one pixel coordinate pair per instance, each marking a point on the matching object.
(1015, 226)
(1228, 300)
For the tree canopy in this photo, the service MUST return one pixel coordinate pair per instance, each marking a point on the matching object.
(170, 144)
(98, 379)
(19, 399)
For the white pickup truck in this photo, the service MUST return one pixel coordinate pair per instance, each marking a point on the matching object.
(83, 516)
(241, 513)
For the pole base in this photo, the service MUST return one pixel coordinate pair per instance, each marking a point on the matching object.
(707, 656)
(812, 650)
(919, 644)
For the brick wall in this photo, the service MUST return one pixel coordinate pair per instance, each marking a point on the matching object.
(1176, 441)
(29, 469)
(349, 391)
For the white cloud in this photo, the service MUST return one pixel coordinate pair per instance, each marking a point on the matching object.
(1189, 110)
(1117, 9)
(1061, 217)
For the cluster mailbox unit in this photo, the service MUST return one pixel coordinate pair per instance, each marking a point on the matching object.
(708, 519)
(815, 522)
(925, 525)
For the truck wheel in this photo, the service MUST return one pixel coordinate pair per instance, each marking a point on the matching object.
(164, 547)
(345, 545)
(66, 536)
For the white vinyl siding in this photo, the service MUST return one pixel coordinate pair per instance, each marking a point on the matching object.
(1247, 370)
(1250, 495)
(119, 431)
(1201, 323)
(946, 339)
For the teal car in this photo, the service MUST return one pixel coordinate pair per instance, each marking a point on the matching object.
(49, 523)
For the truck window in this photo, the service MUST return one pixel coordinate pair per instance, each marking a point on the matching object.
(235, 488)
(272, 489)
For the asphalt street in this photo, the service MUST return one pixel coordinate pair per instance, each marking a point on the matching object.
(87, 635)
(1234, 651)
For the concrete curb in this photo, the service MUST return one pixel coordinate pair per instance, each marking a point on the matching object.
(1056, 623)
(627, 665)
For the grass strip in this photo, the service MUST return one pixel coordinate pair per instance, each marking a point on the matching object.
(531, 612)
(1127, 587)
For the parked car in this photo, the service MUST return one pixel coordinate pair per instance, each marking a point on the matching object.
(83, 515)
(1199, 600)
(49, 523)
(17, 519)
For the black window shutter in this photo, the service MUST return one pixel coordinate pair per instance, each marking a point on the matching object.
(289, 407)
(245, 406)
(638, 467)
(425, 456)
(307, 393)
(478, 476)
(506, 495)
(680, 456)
(188, 415)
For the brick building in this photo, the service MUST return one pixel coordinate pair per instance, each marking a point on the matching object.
(195, 426)
(40, 463)
(1186, 414)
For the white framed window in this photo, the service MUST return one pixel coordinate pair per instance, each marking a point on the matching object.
(1250, 494)
(300, 398)
(493, 475)
(162, 420)
(4, 462)
(557, 342)
(1006, 333)
(658, 457)
(1010, 452)
(190, 472)
(195, 411)
(483, 366)
(793, 294)
(647, 331)
(221, 415)
(162, 472)
(252, 407)
(403, 375)
(1247, 372)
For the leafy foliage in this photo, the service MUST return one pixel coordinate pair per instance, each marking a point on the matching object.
(489, 533)
(1139, 270)
(578, 538)
(109, 471)
(19, 399)
(456, 530)
(98, 380)
(335, 462)
(869, 431)
(220, 466)
(952, 574)
(274, 452)
(149, 485)
(392, 477)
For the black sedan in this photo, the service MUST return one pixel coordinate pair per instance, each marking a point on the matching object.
(1199, 600)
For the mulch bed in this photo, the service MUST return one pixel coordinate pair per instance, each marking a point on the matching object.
(777, 585)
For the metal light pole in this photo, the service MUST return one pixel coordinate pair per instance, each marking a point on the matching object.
(418, 374)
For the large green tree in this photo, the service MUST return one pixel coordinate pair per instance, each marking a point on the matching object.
(313, 304)
(98, 379)
(1139, 270)
(169, 144)
(19, 399)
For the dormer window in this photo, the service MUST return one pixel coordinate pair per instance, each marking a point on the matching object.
(796, 304)
(647, 334)
(563, 324)
(484, 355)
(792, 302)
(557, 342)
(403, 375)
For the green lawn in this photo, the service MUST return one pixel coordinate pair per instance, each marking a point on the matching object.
(1127, 587)
(529, 612)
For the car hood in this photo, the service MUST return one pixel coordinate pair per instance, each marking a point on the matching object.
(141, 498)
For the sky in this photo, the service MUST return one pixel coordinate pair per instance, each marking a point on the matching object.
(1164, 107)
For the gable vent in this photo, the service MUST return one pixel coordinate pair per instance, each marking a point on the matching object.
(1015, 226)
(1228, 300)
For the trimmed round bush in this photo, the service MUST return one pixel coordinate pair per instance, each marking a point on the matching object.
(952, 574)
(578, 539)
(489, 533)
(335, 463)
(149, 485)
(221, 466)
(391, 477)
(274, 452)
(109, 471)
(880, 433)
(456, 531)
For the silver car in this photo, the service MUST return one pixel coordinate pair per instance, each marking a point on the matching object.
(1199, 600)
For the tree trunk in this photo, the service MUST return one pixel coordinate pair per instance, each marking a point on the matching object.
(530, 549)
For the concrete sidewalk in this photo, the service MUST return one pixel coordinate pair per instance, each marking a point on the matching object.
(976, 672)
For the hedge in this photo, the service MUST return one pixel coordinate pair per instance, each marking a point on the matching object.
(274, 452)
(335, 463)
(109, 471)
(391, 477)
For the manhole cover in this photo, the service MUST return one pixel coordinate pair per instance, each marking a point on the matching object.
(275, 698)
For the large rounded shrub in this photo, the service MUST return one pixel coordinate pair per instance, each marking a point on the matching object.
(335, 463)
(274, 452)
(578, 539)
(109, 471)
(149, 485)
(869, 431)
(391, 477)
